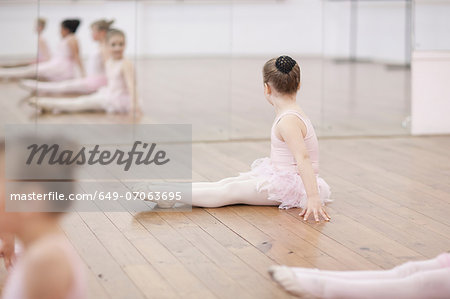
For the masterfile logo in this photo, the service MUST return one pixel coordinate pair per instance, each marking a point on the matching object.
(54, 155)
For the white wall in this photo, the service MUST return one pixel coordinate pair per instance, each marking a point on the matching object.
(381, 31)
(293, 26)
(218, 28)
(430, 98)
(432, 25)
(181, 29)
(17, 20)
(177, 28)
(336, 20)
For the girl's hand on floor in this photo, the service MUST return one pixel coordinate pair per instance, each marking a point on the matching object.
(7, 251)
(315, 207)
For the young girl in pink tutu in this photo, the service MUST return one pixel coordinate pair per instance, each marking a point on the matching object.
(428, 279)
(95, 69)
(118, 96)
(48, 266)
(290, 177)
(61, 66)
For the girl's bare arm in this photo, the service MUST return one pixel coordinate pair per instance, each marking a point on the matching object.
(289, 128)
(73, 43)
(43, 48)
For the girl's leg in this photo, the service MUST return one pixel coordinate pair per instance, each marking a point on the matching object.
(243, 176)
(424, 284)
(237, 190)
(19, 72)
(62, 87)
(18, 64)
(85, 103)
(74, 86)
(401, 271)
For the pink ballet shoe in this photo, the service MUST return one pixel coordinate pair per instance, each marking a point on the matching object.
(33, 104)
(39, 108)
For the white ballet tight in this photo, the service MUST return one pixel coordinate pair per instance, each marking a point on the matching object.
(401, 271)
(229, 191)
(49, 70)
(412, 280)
(93, 102)
(28, 71)
(78, 86)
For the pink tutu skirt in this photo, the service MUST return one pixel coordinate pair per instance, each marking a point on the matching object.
(285, 186)
(94, 83)
(57, 69)
(114, 102)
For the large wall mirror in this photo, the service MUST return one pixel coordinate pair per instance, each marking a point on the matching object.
(200, 62)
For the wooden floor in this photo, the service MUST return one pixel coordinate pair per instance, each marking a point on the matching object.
(392, 201)
(391, 204)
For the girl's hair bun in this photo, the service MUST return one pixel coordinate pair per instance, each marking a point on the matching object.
(283, 74)
(71, 24)
(102, 24)
(285, 64)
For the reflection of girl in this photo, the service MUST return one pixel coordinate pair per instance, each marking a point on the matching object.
(119, 94)
(48, 267)
(43, 50)
(95, 70)
(412, 280)
(61, 66)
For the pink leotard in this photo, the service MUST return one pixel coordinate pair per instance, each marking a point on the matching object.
(95, 72)
(42, 54)
(118, 99)
(278, 175)
(281, 156)
(95, 65)
(61, 66)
